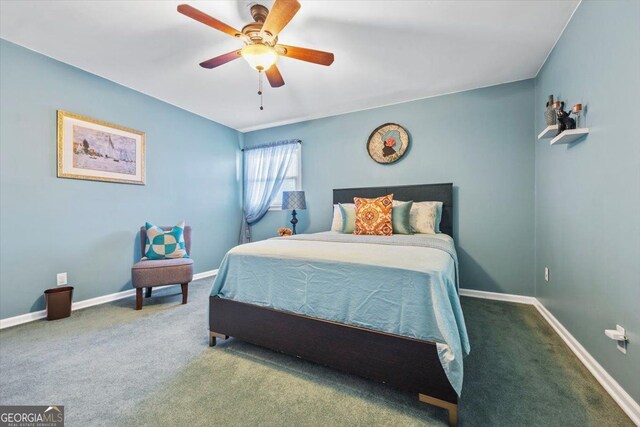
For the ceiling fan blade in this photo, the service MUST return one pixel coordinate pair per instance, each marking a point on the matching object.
(222, 59)
(200, 16)
(274, 76)
(304, 54)
(279, 16)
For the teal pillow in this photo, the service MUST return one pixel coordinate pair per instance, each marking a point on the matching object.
(162, 244)
(348, 218)
(438, 217)
(400, 218)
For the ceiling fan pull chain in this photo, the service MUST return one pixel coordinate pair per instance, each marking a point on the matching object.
(260, 88)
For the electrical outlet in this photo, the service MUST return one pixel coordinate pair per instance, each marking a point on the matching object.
(546, 274)
(61, 278)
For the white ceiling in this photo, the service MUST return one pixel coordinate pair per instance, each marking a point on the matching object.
(385, 51)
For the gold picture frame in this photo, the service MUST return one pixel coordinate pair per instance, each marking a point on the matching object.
(94, 150)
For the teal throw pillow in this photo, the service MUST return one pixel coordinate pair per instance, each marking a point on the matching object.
(438, 217)
(348, 213)
(400, 218)
(162, 244)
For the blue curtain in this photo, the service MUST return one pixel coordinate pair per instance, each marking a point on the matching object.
(265, 167)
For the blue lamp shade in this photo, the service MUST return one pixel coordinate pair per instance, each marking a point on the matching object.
(293, 200)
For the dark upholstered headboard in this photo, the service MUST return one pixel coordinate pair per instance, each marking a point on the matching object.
(418, 193)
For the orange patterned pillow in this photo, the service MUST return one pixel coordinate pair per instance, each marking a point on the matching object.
(373, 216)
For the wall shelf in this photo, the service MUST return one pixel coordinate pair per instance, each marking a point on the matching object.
(569, 136)
(549, 132)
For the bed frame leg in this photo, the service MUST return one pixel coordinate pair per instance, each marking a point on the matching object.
(213, 336)
(452, 408)
(453, 416)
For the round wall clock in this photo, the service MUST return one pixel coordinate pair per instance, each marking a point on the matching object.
(388, 143)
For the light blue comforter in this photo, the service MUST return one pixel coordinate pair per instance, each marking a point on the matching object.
(405, 285)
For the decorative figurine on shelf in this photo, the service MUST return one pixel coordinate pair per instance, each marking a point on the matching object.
(293, 200)
(577, 111)
(550, 113)
(284, 232)
(564, 121)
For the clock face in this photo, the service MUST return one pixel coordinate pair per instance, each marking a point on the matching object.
(388, 143)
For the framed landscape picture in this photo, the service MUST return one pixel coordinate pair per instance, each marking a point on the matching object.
(99, 151)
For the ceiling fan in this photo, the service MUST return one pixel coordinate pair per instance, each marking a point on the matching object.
(261, 48)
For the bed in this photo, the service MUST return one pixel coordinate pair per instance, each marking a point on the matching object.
(383, 308)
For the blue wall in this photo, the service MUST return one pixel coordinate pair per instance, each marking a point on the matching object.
(480, 140)
(86, 228)
(588, 193)
(584, 225)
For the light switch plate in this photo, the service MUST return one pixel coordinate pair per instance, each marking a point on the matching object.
(61, 279)
(546, 274)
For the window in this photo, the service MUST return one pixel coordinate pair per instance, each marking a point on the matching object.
(293, 179)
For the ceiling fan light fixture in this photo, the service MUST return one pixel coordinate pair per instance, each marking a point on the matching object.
(259, 56)
(261, 39)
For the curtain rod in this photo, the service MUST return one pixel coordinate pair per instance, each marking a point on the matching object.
(273, 144)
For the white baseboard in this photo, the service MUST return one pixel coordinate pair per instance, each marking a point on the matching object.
(521, 299)
(36, 315)
(205, 274)
(621, 397)
(101, 300)
(23, 318)
(615, 390)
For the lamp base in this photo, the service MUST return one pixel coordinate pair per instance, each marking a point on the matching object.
(294, 221)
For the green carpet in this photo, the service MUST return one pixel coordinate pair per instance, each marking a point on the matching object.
(112, 365)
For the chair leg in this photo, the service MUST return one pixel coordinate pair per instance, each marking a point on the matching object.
(148, 293)
(138, 298)
(185, 291)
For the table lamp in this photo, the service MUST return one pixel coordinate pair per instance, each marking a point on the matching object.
(293, 200)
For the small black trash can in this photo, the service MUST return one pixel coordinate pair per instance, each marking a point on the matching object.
(58, 302)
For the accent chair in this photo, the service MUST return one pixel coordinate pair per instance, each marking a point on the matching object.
(161, 272)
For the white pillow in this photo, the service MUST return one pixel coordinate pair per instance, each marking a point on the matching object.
(422, 216)
(336, 224)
